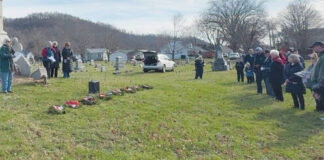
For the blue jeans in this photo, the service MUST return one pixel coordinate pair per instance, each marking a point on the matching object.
(6, 79)
(66, 74)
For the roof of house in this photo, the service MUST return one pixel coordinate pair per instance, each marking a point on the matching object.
(96, 50)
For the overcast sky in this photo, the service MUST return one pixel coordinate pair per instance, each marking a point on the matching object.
(137, 16)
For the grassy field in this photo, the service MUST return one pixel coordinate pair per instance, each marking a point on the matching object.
(181, 118)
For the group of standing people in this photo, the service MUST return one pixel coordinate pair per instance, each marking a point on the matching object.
(275, 69)
(52, 57)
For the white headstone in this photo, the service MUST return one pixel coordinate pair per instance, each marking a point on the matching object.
(92, 63)
(23, 65)
(3, 34)
(39, 73)
(103, 69)
(78, 65)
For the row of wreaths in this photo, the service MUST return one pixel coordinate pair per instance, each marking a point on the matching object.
(92, 100)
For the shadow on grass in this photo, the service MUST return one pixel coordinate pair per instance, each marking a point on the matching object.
(26, 84)
(296, 128)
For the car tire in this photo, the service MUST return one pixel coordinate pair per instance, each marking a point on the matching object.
(163, 69)
(145, 70)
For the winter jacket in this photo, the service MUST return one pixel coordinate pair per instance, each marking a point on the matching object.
(276, 73)
(6, 62)
(258, 60)
(248, 71)
(57, 57)
(295, 84)
(199, 64)
(239, 66)
(266, 67)
(249, 59)
(47, 52)
(67, 54)
(318, 70)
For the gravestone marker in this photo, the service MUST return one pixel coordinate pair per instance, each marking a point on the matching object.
(78, 66)
(23, 65)
(92, 63)
(103, 69)
(39, 74)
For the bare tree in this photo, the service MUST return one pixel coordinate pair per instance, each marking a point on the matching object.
(173, 41)
(110, 42)
(297, 20)
(235, 19)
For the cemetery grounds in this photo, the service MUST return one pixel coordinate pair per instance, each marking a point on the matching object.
(181, 118)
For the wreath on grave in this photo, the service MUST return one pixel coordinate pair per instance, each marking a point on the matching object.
(146, 86)
(128, 90)
(105, 96)
(117, 92)
(56, 110)
(72, 104)
(89, 101)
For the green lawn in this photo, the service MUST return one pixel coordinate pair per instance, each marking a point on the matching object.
(181, 118)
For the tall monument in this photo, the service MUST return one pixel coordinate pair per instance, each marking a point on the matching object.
(3, 34)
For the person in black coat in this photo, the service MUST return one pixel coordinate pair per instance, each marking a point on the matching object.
(265, 69)
(239, 66)
(294, 83)
(318, 94)
(258, 61)
(276, 75)
(67, 54)
(199, 65)
(249, 58)
(57, 56)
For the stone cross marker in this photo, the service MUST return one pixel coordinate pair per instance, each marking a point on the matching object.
(3, 34)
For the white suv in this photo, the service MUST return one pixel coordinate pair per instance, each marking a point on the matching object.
(156, 61)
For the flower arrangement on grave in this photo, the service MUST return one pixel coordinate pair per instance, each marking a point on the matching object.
(72, 104)
(146, 86)
(128, 90)
(56, 110)
(105, 96)
(89, 101)
(118, 92)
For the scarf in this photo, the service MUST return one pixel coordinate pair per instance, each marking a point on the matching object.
(278, 59)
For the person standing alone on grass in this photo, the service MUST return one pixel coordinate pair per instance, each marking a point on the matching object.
(6, 66)
(317, 75)
(294, 83)
(199, 65)
(258, 61)
(250, 59)
(48, 52)
(57, 56)
(276, 74)
(265, 69)
(67, 54)
(239, 66)
(249, 73)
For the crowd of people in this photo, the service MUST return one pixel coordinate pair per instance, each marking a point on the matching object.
(51, 58)
(276, 68)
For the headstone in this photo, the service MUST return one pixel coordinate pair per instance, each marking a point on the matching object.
(118, 64)
(39, 74)
(103, 69)
(30, 57)
(78, 66)
(3, 34)
(219, 63)
(92, 63)
(134, 63)
(23, 65)
(187, 60)
(16, 45)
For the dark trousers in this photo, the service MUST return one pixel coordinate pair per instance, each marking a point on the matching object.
(47, 65)
(199, 74)
(240, 76)
(320, 105)
(250, 80)
(277, 89)
(258, 75)
(54, 72)
(268, 85)
(299, 101)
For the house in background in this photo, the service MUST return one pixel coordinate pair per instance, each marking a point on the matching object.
(183, 50)
(125, 55)
(96, 54)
